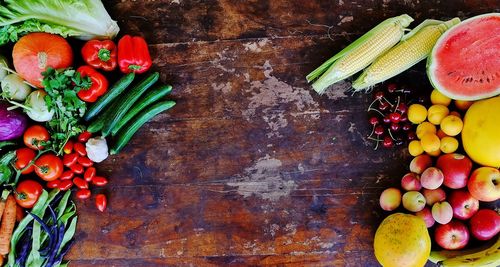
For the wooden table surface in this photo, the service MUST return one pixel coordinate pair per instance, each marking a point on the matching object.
(251, 168)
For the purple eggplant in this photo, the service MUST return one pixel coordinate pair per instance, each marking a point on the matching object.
(12, 123)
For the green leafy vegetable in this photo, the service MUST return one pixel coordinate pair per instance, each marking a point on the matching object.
(62, 87)
(83, 19)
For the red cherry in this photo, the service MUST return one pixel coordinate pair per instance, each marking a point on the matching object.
(399, 141)
(374, 120)
(387, 143)
(386, 119)
(395, 117)
(395, 127)
(406, 127)
(379, 130)
(411, 136)
(379, 95)
(404, 118)
(402, 108)
(391, 88)
(383, 106)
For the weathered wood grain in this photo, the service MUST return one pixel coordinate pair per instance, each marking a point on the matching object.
(251, 168)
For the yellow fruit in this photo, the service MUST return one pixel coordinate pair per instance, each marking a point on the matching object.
(415, 148)
(430, 143)
(449, 144)
(462, 104)
(434, 153)
(439, 99)
(425, 128)
(481, 132)
(441, 134)
(402, 240)
(452, 125)
(436, 113)
(455, 113)
(417, 113)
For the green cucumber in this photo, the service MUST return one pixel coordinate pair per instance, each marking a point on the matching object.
(124, 103)
(112, 93)
(126, 133)
(148, 99)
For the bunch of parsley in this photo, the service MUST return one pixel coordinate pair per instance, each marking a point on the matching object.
(62, 87)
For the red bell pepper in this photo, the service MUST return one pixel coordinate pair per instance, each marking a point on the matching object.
(98, 85)
(133, 54)
(100, 54)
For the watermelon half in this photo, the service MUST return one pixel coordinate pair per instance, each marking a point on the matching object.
(465, 62)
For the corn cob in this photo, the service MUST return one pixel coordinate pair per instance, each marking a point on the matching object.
(414, 47)
(360, 53)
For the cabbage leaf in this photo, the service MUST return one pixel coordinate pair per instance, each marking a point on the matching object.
(82, 19)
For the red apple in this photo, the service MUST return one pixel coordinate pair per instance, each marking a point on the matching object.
(452, 236)
(434, 195)
(463, 203)
(456, 169)
(411, 182)
(442, 212)
(484, 184)
(485, 224)
(420, 163)
(426, 215)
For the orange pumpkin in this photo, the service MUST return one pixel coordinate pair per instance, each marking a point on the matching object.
(35, 52)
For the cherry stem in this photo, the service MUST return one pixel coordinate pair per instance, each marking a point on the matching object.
(390, 134)
(397, 105)
(373, 109)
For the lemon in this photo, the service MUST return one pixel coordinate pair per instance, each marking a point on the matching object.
(430, 143)
(417, 113)
(436, 113)
(449, 144)
(402, 240)
(424, 128)
(481, 132)
(452, 125)
(415, 148)
(439, 99)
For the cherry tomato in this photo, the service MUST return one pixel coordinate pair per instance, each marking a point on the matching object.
(99, 181)
(80, 183)
(77, 168)
(84, 137)
(66, 175)
(80, 149)
(68, 147)
(54, 184)
(89, 174)
(65, 185)
(85, 162)
(49, 167)
(27, 193)
(34, 135)
(70, 159)
(101, 202)
(83, 194)
(24, 156)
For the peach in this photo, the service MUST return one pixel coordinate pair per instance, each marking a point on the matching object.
(434, 195)
(413, 201)
(426, 215)
(442, 212)
(411, 182)
(432, 178)
(390, 199)
(420, 163)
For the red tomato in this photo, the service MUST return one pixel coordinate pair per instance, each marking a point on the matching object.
(66, 175)
(77, 168)
(99, 181)
(101, 202)
(89, 174)
(53, 184)
(68, 147)
(84, 137)
(24, 156)
(34, 135)
(80, 183)
(70, 159)
(85, 162)
(65, 185)
(80, 149)
(49, 167)
(83, 194)
(27, 193)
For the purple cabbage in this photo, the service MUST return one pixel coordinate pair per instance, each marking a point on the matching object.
(12, 123)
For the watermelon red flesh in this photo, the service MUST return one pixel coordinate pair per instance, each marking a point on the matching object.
(465, 62)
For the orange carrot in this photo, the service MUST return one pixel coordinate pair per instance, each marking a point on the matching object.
(8, 223)
(1, 260)
(19, 213)
(2, 207)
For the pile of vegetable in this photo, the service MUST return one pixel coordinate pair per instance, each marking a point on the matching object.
(57, 118)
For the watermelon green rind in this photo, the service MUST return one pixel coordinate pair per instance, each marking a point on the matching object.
(432, 65)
